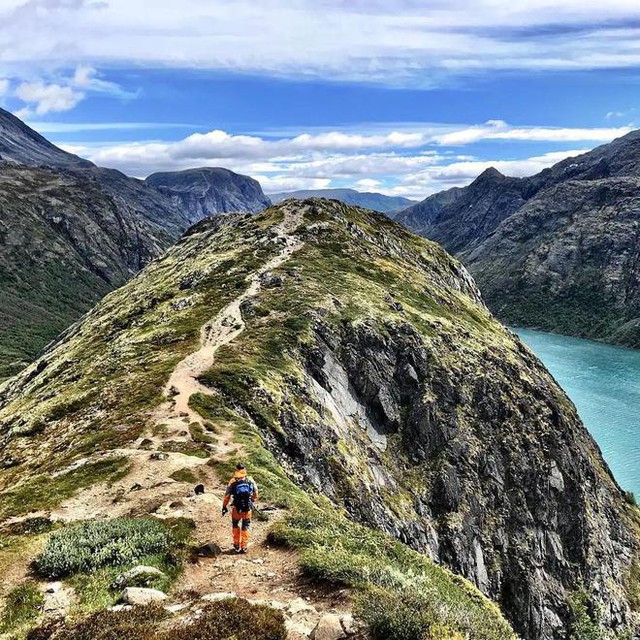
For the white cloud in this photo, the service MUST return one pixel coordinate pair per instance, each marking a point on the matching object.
(4, 87)
(499, 130)
(47, 98)
(367, 183)
(388, 41)
(411, 163)
(41, 97)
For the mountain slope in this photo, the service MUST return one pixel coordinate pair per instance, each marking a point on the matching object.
(65, 244)
(360, 358)
(555, 251)
(200, 193)
(70, 232)
(369, 200)
(21, 144)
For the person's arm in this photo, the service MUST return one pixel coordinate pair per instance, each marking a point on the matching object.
(227, 497)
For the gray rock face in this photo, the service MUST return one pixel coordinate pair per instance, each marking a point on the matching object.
(556, 251)
(201, 193)
(505, 512)
(369, 200)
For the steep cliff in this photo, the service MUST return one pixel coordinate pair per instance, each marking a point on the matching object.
(556, 250)
(361, 359)
(204, 192)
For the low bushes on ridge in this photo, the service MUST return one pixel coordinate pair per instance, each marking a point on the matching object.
(90, 545)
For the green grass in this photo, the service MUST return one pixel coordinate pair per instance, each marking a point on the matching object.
(184, 475)
(46, 492)
(22, 606)
(198, 434)
(188, 448)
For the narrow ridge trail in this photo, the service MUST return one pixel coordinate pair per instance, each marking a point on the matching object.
(170, 421)
(223, 329)
(267, 574)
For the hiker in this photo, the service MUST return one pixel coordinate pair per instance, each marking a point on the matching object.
(244, 492)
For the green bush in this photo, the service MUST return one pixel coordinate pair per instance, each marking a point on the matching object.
(585, 620)
(91, 545)
(22, 605)
(226, 620)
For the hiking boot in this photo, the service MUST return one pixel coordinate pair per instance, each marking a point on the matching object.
(242, 551)
(236, 548)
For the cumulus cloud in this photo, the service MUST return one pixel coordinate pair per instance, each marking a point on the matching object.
(405, 162)
(386, 41)
(500, 130)
(47, 98)
(41, 97)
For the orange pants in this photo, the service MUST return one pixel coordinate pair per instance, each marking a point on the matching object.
(241, 522)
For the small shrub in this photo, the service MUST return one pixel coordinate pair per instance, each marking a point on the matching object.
(88, 546)
(22, 605)
(226, 620)
(630, 498)
(585, 620)
(233, 619)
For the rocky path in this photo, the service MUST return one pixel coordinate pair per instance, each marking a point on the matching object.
(267, 575)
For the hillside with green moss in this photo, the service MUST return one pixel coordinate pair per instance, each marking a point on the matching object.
(416, 453)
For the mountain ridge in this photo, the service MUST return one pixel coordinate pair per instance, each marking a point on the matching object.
(367, 199)
(363, 369)
(575, 278)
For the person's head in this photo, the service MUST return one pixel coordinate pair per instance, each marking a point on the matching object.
(240, 472)
(240, 467)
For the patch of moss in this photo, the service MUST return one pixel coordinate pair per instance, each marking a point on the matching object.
(184, 475)
(198, 434)
(187, 448)
(231, 619)
(22, 606)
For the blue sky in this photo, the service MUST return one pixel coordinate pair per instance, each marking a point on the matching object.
(405, 97)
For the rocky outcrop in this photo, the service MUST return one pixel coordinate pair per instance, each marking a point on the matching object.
(376, 378)
(367, 199)
(207, 191)
(556, 251)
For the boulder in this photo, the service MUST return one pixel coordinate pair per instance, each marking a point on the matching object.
(329, 627)
(141, 596)
(57, 600)
(216, 597)
(209, 550)
(140, 576)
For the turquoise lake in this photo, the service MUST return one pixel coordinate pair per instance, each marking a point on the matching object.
(604, 384)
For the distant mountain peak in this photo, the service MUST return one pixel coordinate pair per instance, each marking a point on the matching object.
(368, 199)
(20, 144)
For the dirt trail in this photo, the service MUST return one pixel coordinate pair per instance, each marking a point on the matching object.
(148, 485)
(264, 574)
